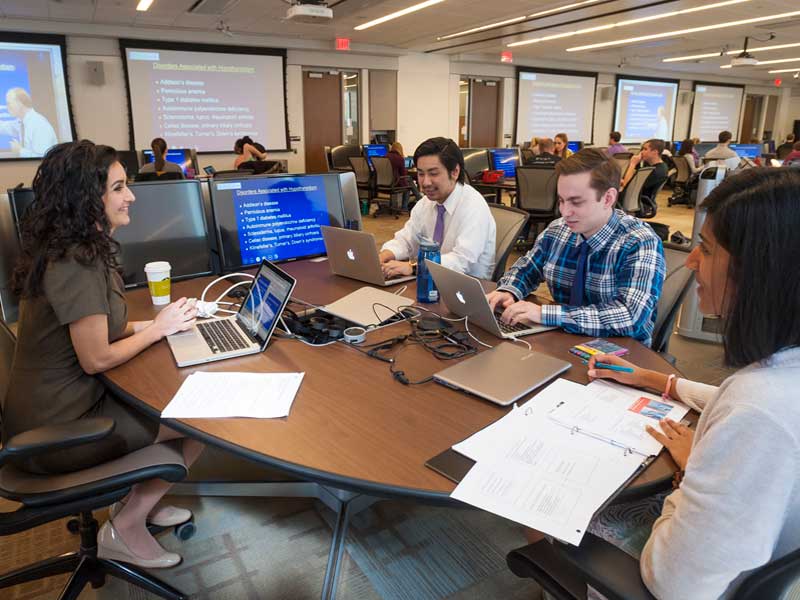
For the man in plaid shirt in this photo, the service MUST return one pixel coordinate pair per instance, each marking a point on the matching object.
(604, 268)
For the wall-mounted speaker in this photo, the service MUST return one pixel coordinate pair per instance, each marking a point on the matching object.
(606, 93)
(96, 72)
(686, 97)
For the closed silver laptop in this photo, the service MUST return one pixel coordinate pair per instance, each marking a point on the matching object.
(247, 332)
(354, 254)
(464, 296)
(503, 374)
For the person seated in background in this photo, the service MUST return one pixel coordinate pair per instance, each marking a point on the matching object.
(160, 164)
(545, 155)
(451, 213)
(247, 151)
(794, 155)
(73, 324)
(397, 157)
(736, 502)
(534, 147)
(723, 152)
(561, 148)
(687, 150)
(651, 157)
(785, 148)
(614, 147)
(604, 268)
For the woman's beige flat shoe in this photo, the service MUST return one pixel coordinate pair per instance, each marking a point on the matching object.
(161, 516)
(111, 546)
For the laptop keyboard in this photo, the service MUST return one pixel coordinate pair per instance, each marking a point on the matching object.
(508, 328)
(222, 336)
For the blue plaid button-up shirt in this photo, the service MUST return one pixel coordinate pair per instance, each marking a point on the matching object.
(624, 274)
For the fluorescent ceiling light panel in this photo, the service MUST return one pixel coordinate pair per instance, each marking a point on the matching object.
(553, 11)
(764, 62)
(730, 52)
(666, 15)
(399, 13)
(785, 70)
(143, 5)
(677, 32)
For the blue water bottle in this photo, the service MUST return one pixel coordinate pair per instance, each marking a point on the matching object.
(426, 289)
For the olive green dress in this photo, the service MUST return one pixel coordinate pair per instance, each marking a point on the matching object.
(48, 385)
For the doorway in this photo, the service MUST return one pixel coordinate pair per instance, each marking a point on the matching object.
(322, 117)
(478, 118)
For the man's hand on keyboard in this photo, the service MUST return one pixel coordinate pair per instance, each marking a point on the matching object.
(522, 312)
(500, 300)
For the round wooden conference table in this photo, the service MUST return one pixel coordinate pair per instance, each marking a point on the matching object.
(352, 426)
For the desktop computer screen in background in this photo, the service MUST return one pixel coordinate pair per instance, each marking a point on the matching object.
(476, 160)
(747, 150)
(676, 147)
(506, 160)
(703, 147)
(574, 146)
(371, 150)
(179, 156)
(275, 218)
(167, 223)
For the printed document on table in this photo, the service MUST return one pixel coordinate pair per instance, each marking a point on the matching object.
(619, 415)
(211, 395)
(547, 477)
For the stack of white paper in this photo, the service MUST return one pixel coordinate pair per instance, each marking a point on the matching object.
(543, 473)
(210, 395)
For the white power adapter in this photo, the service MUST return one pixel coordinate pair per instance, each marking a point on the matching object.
(206, 310)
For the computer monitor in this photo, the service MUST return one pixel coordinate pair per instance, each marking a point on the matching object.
(476, 160)
(185, 157)
(770, 147)
(129, 160)
(409, 161)
(506, 160)
(275, 217)
(676, 147)
(575, 146)
(371, 150)
(703, 147)
(747, 150)
(20, 200)
(167, 223)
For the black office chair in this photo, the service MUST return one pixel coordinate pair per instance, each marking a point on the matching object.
(359, 166)
(386, 184)
(537, 195)
(509, 224)
(564, 571)
(153, 176)
(262, 167)
(677, 282)
(340, 156)
(631, 197)
(681, 183)
(46, 498)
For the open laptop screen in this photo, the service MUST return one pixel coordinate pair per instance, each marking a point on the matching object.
(275, 218)
(263, 306)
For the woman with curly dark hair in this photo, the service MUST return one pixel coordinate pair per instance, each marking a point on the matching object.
(73, 324)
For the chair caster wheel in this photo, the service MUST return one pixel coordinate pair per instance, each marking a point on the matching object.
(74, 526)
(185, 531)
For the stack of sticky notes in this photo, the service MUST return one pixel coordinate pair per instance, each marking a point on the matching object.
(599, 346)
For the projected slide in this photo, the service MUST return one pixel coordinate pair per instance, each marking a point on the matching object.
(549, 103)
(34, 113)
(645, 109)
(205, 100)
(716, 108)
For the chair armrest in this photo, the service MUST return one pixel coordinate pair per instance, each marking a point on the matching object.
(607, 569)
(49, 438)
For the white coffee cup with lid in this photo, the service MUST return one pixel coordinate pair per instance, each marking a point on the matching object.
(158, 280)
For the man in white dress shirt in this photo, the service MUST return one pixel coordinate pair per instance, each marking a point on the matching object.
(451, 213)
(34, 134)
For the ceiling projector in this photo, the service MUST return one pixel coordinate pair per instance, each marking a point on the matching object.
(745, 59)
(309, 11)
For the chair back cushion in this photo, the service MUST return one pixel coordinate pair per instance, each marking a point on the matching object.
(508, 222)
(630, 202)
(384, 174)
(360, 168)
(8, 343)
(536, 188)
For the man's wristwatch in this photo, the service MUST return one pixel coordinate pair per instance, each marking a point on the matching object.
(413, 263)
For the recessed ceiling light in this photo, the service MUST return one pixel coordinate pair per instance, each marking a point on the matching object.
(730, 52)
(678, 32)
(399, 13)
(143, 5)
(765, 62)
(666, 15)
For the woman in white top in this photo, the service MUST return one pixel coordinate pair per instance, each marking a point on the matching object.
(737, 506)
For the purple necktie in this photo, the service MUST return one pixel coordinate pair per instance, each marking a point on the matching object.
(438, 230)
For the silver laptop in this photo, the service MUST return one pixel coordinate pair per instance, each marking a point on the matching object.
(503, 374)
(464, 296)
(247, 332)
(354, 254)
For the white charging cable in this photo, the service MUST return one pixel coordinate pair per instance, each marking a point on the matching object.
(207, 309)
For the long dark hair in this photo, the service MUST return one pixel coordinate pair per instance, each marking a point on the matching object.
(687, 146)
(755, 216)
(68, 215)
(238, 145)
(159, 147)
